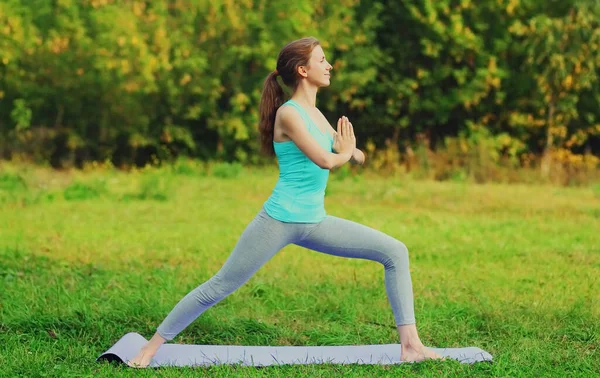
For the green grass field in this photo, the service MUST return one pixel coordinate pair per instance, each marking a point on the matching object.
(86, 257)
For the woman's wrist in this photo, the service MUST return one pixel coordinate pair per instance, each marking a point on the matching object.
(357, 156)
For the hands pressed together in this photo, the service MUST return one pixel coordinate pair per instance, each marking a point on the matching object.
(344, 141)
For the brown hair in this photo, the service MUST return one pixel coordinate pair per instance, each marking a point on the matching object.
(294, 54)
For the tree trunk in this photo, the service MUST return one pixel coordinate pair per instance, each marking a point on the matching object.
(547, 155)
(59, 116)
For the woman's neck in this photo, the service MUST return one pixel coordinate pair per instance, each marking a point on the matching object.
(305, 95)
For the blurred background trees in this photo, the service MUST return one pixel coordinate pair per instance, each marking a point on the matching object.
(448, 87)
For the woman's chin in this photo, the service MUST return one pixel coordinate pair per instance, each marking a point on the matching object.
(326, 83)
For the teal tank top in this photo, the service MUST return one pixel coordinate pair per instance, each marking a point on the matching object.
(299, 195)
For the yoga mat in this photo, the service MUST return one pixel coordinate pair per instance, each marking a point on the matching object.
(203, 355)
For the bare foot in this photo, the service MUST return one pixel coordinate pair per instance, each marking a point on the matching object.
(142, 359)
(419, 353)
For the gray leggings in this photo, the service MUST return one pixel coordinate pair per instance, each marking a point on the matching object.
(265, 236)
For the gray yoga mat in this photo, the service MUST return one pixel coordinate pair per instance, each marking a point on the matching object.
(203, 355)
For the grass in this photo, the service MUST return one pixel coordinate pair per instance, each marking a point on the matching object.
(87, 256)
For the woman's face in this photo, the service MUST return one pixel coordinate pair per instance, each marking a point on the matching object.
(318, 70)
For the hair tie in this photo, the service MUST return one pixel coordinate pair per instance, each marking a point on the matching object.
(276, 72)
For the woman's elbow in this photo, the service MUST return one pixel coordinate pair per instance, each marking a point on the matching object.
(325, 161)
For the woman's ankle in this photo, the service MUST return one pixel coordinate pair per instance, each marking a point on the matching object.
(155, 342)
(412, 344)
(409, 337)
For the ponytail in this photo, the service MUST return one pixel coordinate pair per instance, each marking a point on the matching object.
(271, 99)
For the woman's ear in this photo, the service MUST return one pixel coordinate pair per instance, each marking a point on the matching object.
(302, 71)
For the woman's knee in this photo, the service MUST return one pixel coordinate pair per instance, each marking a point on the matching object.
(397, 254)
(214, 290)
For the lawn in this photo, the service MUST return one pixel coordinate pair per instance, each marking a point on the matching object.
(87, 256)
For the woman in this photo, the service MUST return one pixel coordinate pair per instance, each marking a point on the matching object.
(307, 147)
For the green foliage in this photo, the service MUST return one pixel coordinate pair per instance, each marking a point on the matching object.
(476, 153)
(138, 82)
(227, 170)
(12, 182)
(79, 191)
(342, 172)
(12, 187)
(152, 186)
(21, 115)
(562, 59)
(188, 167)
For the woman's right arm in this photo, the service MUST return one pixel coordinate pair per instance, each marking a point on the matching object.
(292, 125)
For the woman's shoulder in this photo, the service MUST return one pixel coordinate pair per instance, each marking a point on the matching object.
(287, 113)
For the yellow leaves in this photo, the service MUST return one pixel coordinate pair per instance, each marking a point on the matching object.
(432, 16)
(492, 79)
(59, 44)
(431, 49)
(339, 64)
(203, 36)
(234, 14)
(558, 130)
(469, 35)
(525, 120)
(559, 118)
(457, 24)
(125, 66)
(492, 65)
(131, 86)
(65, 3)
(186, 78)
(100, 3)
(579, 137)
(240, 101)
(518, 28)
(166, 136)
(160, 33)
(466, 4)
(360, 38)
(139, 7)
(568, 82)
(565, 156)
(486, 119)
(237, 127)
(510, 8)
